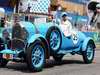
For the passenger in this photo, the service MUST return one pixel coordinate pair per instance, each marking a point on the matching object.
(96, 16)
(66, 25)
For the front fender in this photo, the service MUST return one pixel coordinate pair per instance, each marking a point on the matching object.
(85, 43)
(34, 37)
(42, 38)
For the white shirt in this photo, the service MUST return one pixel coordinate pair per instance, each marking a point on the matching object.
(8, 24)
(66, 27)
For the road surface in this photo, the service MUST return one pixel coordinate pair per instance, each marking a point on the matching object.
(71, 65)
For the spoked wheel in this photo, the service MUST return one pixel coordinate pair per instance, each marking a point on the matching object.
(36, 56)
(3, 62)
(88, 54)
(54, 39)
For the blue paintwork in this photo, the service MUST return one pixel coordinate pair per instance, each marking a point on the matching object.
(8, 51)
(67, 44)
(29, 27)
(35, 37)
(85, 43)
(55, 43)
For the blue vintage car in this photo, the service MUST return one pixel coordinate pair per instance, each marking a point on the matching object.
(34, 44)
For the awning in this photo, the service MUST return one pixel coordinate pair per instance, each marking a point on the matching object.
(2, 12)
(8, 5)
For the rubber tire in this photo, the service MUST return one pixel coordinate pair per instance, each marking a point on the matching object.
(28, 57)
(58, 58)
(48, 39)
(1, 44)
(3, 62)
(84, 54)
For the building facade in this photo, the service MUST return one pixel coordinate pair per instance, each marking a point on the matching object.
(71, 6)
(34, 6)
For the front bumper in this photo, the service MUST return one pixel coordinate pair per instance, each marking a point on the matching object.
(9, 54)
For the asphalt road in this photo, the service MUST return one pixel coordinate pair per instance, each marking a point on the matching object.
(71, 65)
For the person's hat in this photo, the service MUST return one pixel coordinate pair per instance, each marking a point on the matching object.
(64, 14)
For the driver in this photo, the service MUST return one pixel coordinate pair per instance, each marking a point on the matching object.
(66, 25)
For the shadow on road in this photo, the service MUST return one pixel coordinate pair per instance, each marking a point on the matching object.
(52, 63)
(49, 64)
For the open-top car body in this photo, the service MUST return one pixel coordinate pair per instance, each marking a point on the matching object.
(34, 44)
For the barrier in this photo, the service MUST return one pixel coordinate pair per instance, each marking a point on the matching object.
(94, 35)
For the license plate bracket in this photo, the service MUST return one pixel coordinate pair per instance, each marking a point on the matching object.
(8, 56)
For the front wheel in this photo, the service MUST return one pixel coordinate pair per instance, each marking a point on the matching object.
(3, 62)
(36, 56)
(88, 54)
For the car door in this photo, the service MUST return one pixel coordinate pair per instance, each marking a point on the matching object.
(75, 39)
(70, 42)
(67, 42)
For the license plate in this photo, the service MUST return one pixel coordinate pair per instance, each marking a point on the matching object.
(8, 56)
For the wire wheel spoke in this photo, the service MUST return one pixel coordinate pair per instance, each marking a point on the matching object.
(54, 39)
(37, 55)
(89, 52)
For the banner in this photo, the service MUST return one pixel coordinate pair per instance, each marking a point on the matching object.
(94, 35)
(79, 1)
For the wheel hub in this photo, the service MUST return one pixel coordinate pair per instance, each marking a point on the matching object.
(37, 55)
(89, 52)
(54, 40)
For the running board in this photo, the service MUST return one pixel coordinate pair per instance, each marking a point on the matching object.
(68, 51)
